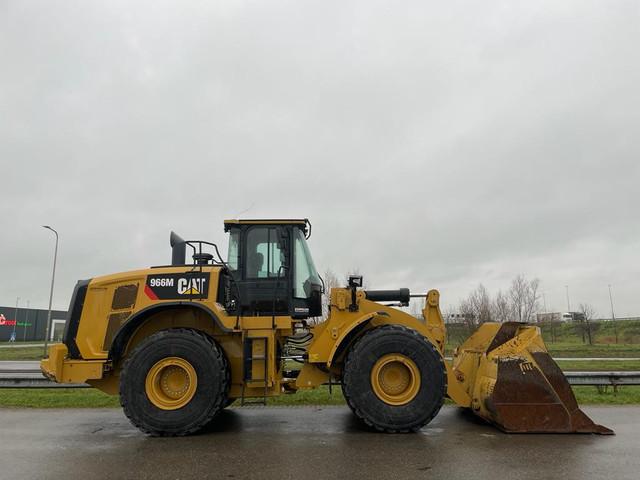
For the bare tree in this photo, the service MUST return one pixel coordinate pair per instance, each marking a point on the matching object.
(532, 301)
(524, 298)
(417, 305)
(501, 308)
(586, 323)
(476, 308)
(482, 302)
(330, 281)
(552, 321)
(466, 311)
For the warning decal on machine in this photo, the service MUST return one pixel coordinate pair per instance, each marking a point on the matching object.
(172, 286)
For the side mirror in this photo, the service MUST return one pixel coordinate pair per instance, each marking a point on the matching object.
(355, 281)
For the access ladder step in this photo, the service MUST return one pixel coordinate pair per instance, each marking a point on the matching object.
(255, 349)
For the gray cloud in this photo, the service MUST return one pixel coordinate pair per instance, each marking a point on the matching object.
(430, 145)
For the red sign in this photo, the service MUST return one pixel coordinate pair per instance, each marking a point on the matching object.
(4, 321)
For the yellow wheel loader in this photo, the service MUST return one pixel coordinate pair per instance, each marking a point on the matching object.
(180, 342)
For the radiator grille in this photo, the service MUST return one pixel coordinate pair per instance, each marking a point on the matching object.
(124, 297)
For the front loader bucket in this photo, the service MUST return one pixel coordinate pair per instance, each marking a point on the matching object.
(514, 383)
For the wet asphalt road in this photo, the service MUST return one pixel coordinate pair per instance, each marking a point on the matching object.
(309, 443)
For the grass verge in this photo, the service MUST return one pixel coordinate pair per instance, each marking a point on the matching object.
(56, 398)
(91, 398)
(596, 350)
(599, 365)
(21, 353)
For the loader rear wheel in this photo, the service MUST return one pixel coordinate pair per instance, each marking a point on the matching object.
(394, 379)
(171, 383)
(174, 382)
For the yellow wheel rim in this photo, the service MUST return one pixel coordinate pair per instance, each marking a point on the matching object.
(395, 379)
(171, 383)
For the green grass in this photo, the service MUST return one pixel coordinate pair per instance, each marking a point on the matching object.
(21, 353)
(319, 396)
(596, 350)
(627, 395)
(602, 332)
(56, 398)
(90, 398)
(599, 365)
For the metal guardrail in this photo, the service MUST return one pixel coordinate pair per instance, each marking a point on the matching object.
(603, 378)
(29, 378)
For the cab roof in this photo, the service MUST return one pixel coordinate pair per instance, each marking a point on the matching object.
(303, 222)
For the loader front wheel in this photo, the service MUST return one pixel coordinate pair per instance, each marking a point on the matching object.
(394, 379)
(174, 382)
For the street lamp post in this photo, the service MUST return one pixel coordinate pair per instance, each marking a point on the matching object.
(613, 316)
(53, 279)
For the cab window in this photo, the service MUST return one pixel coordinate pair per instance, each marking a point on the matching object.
(305, 272)
(265, 253)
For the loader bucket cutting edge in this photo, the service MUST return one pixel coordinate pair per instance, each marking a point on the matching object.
(516, 385)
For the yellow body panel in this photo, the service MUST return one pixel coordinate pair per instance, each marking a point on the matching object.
(97, 309)
(330, 335)
(57, 368)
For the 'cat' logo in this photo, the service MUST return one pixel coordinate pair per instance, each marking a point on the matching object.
(172, 286)
(191, 286)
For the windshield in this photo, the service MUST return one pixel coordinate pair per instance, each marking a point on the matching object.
(304, 273)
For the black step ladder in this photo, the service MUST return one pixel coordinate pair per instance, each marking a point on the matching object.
(247, 374)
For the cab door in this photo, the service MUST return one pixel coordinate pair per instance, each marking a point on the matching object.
(265, 280)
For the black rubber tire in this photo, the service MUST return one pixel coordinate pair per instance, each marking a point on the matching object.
(211, 392)
(227, 401)
(359, 394)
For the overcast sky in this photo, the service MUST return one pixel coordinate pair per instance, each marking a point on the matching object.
(431, 144)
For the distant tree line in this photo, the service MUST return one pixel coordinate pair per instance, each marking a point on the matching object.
(519, 303)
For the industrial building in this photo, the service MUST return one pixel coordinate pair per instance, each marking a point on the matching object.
(29, 324)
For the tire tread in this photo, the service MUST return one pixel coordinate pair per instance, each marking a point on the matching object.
(356, 350)
(218, 402)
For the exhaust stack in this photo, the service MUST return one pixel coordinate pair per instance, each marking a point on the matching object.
(178, 249)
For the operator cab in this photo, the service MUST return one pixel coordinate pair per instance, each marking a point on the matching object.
(271, 271)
